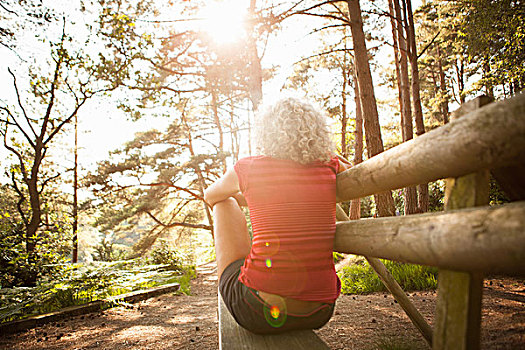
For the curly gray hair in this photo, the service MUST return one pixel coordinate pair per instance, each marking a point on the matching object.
(293, 129)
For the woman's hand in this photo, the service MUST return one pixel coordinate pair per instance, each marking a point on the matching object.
(239, 197)
(343, 164)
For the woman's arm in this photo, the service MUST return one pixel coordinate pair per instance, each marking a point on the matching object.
(225, 187)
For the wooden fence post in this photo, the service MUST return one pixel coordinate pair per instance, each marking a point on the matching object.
(458, 310)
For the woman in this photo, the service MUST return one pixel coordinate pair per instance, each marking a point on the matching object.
(285, 278)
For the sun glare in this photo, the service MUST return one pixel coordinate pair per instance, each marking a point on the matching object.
(224, 21)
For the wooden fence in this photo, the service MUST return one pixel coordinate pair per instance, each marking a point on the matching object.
(465, 241)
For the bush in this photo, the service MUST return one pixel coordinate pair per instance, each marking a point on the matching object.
(15, 269)
(71, 285)
(338, 257)
(79, 284)
(173, 259)
(361, 278)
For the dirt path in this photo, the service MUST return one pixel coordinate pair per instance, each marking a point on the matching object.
(190, 322)
(165, 322)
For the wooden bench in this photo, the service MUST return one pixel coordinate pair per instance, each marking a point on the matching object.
(234, 337)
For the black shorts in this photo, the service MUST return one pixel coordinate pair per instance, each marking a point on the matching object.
(254, 314)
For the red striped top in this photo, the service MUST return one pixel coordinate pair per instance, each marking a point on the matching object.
(292, 211)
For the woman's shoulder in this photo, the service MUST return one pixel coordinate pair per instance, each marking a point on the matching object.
(249, 160)
(268, 161)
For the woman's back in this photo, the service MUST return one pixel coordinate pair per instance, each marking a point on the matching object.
(292, 209)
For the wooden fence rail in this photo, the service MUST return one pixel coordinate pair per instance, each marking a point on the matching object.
(488, 239)
(487, 138)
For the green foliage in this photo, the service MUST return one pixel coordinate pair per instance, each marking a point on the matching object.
(496, 194)
(436, 195)
(107, 250)
(368, 207)
(360, 278)
(493, 33)
(162, 254)
(79, 284)
(53, 241)
(338, 257)
(173, 260)
(399, 201)
(471, 47)
(170, 200)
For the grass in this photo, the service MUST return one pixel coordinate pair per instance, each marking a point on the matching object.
(360, 278)
(384, 342)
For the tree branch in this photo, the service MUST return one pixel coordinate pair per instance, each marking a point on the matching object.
(342, 19)
(288, 13)
(46, 181)
(64, 122)
(317, 30)
(177, 224)
(21, 200)
(429, 44)
(23, 110)
(323, 54)
(168, 184)
(18, 155)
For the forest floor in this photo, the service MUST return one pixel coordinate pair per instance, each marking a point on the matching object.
(190, 322)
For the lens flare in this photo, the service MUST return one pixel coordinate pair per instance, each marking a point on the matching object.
(275, 312)
(267, 245)
(275, 316)
(268, 263)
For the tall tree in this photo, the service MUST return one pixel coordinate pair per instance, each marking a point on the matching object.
(492, 32)
(74, 258)
(355, 204)
(73, 77)
(167, 198)
(374, 143)
(436, 36)
(416, 98)
(400, 32)
(255, 70)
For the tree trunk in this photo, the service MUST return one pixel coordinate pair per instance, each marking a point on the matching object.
(355, 204)
(460, 73)
(200, 177)
(255, 70)
(234, 133)
(416, 100)
(416, 97)
(409, 193)
(218, 124)
(36, 213)
(396, 52)
(374, 142)
(442, 88)
(489, 89)
(344, 121)
(75, 198)
(346, 72)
